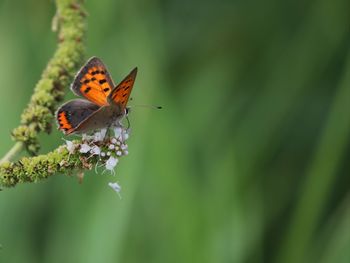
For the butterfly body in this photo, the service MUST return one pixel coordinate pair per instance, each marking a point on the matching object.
(105, 105)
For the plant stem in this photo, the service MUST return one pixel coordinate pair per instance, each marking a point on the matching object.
(12, 153)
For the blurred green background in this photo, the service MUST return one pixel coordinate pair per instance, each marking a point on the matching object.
(248, 161)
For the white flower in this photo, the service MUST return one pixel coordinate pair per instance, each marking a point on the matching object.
(114, 140)
(127, 131)
(108, 153)
(99, 136)
(116, 187)
(70, 146)
(111, 146)
(126, 152)
(126, 136)
(124, 146)
(119, 153)
(86, 137)
(95, 150)
(111, 163)
(117, 132)
(84, 148)
(103, 154)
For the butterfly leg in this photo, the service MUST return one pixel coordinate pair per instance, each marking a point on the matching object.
(108, 132)
(127, 118)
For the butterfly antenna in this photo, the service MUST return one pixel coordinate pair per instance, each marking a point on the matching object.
(148, 106)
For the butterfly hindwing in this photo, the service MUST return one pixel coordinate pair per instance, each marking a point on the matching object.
(120, 94)
(72, 113)
(93, 82)
(102, 118)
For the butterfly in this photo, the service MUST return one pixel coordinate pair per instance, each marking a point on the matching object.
(104, 104)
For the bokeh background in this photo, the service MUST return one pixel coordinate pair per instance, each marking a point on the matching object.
(247, 162)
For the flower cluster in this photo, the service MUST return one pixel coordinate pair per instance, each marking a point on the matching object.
(106, 149)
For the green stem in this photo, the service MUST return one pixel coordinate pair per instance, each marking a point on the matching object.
(34, 169)
(12, 153)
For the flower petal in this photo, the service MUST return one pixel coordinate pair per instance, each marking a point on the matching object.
(115, 186)
(111, 163)
(84, 148)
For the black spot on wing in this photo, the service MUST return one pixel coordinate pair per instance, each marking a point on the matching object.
(87, 89)
(95, 72)
(92, 67)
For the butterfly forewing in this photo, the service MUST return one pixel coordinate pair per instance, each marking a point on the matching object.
(120, 94)
(93, 82)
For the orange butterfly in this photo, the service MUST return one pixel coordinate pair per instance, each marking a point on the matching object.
(106, 104)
